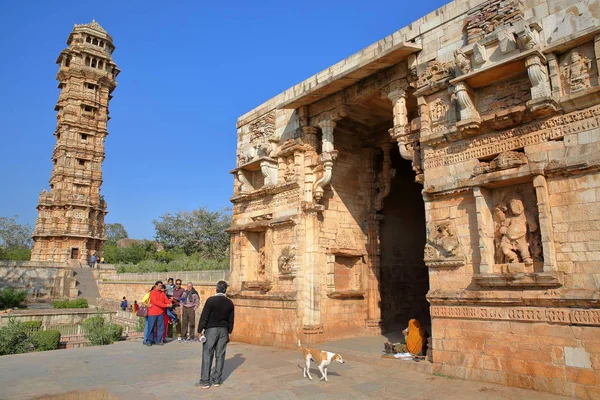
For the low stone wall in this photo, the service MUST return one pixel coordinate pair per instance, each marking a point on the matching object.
(111, 290)
(185, 276)
(42, 280)
(62, 316)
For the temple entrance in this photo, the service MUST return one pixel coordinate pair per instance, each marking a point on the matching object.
(74, 253)
(404, 278)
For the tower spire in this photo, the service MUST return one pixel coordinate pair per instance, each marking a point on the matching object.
(70, 223)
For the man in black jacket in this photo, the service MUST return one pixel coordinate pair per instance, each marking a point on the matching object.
(216, 325)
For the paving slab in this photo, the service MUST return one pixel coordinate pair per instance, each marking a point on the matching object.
(129, 370)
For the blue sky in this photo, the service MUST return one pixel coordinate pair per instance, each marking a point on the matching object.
(189, 70)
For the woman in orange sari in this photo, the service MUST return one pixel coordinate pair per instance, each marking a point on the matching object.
(415, 337)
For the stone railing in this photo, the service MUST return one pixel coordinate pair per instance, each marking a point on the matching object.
(185, 276)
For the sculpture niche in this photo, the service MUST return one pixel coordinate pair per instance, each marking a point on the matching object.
(517, 237)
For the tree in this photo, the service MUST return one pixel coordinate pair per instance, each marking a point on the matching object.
(198, 231)
(115, 232)
(14, 235)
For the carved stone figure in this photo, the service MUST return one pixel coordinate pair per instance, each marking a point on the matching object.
(538, 75)
(465, 104)
(462, 62)
(262, 262)
(577, 71)
(513, 224)
(285, 261)
(443, 247)
(528, 38)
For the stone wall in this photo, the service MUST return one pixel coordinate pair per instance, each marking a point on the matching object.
(41, 280)
(537, 355)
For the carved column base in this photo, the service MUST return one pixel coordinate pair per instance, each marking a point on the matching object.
(542, 107)
(312, 329)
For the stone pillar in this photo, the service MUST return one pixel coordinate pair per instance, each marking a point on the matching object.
(555, 82)
(309, 136)
(597, 51)
(374, 320)
(398, 98)
(311, 293)
(545, 218)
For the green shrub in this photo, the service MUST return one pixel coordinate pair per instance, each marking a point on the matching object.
(32, 325)
(100, 333)
(141, 324)
(45, 340)
(13, 338)
(77, 303)
(12, 298)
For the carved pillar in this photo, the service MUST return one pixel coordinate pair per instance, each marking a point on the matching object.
(538, 75)
(328, 154)
(373, 248)
(311, 313)
(424, 116)
(545, 218)
(485, 228)
(309, 136)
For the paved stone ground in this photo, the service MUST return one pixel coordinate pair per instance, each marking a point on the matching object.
(128, 370)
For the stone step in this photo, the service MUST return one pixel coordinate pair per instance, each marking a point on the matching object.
(86, 285)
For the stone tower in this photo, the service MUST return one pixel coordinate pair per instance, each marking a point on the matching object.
(70, 223)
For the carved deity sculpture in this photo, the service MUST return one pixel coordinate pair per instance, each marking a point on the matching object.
(443, 247)
(577, 71)
(462, 62)
(538, 75)
(513, 224)
(285, 261)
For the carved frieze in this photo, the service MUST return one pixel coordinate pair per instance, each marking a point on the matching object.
(259, 141)
(512, 139)
(572, 316)
(443, 248)
(269, 202)
(434, 75)
(505, 160)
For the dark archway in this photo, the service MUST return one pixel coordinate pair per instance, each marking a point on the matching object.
(404, 278)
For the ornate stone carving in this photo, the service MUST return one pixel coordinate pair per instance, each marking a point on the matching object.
(515, 138)
(345, 239)
(505, 160)
(479, 54)
(516, 231)
(525, 314)
(462, 62)
(577, 71)
(285, 261)
(507, 42)
(528, 38)
(469, 117)
(538, 75)
(438, 110)
(435, 73)
(443, 248)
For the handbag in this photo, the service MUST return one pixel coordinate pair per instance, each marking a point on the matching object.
(142, 311)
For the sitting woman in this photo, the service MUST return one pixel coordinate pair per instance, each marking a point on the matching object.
(416, 337)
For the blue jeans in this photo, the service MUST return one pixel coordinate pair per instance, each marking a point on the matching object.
(152, 320)
(213, 348)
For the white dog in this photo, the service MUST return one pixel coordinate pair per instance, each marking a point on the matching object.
(321, 358)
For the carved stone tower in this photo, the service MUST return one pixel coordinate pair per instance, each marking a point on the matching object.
(70, 223)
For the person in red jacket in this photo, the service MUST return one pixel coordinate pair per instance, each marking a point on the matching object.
(158, 304)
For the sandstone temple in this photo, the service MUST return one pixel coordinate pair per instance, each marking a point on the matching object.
(449, 173)
(70, 224)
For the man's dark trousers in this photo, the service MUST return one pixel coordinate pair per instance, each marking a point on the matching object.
(214, 347)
